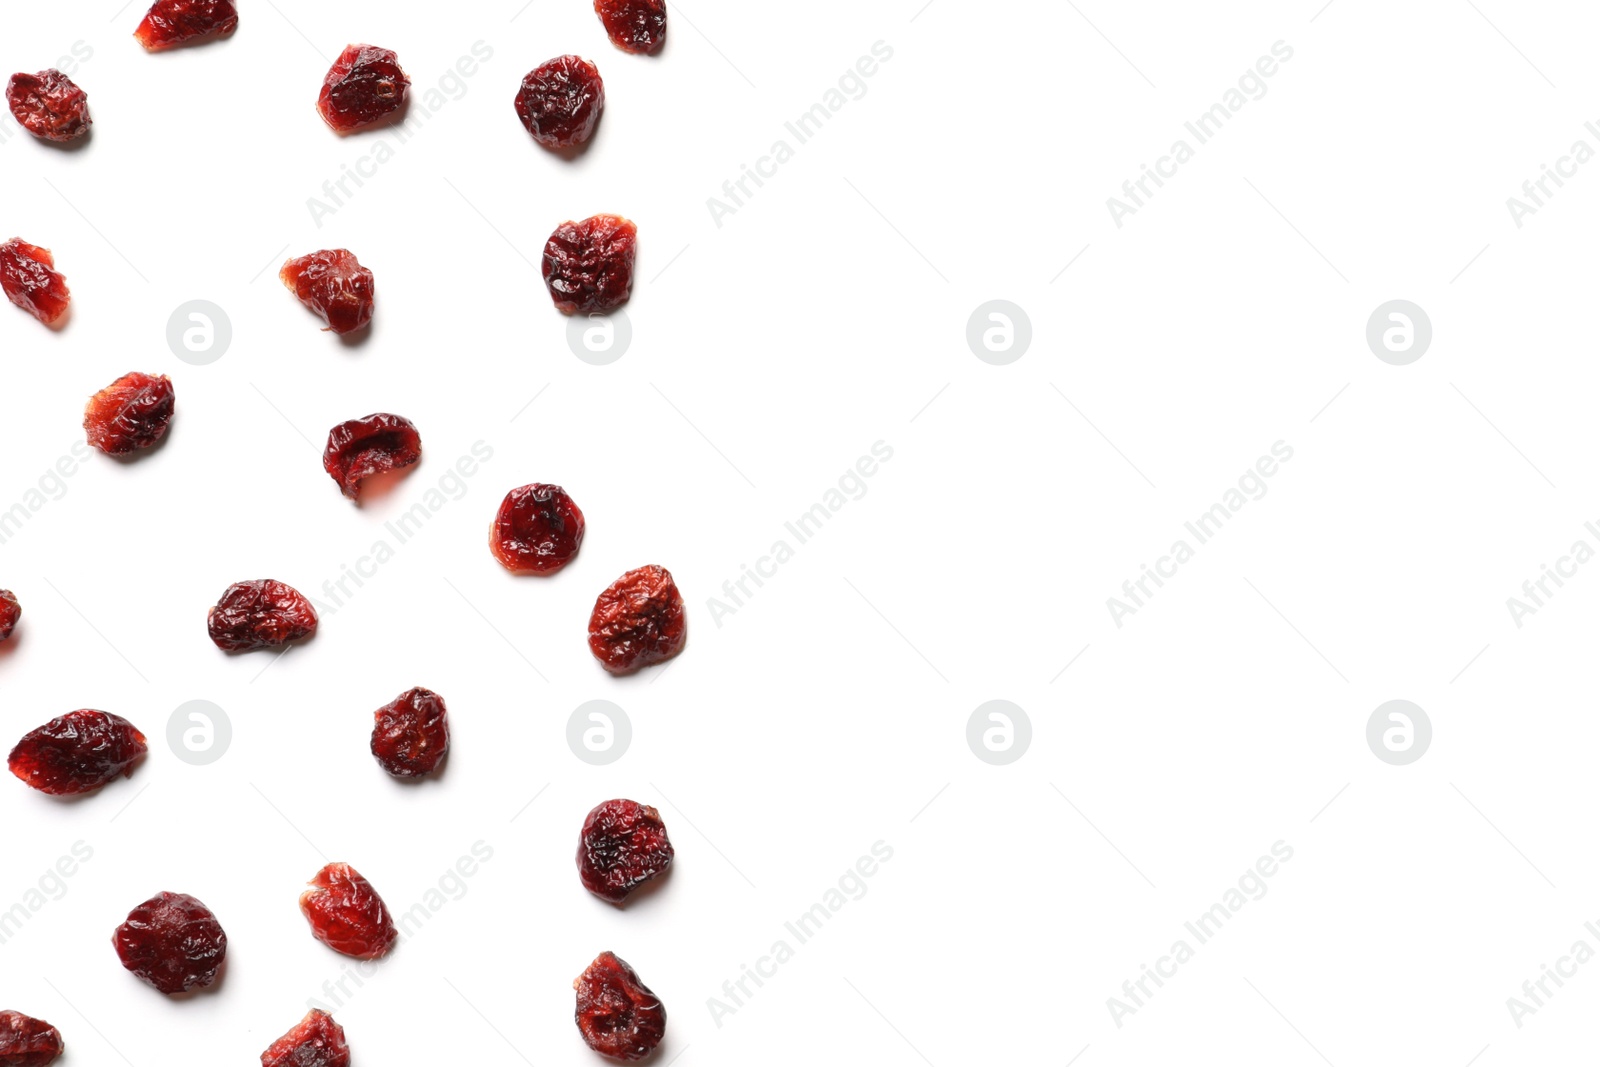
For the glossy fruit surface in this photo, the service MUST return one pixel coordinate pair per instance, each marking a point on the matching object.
(637, 621)
(364, 84)
(616, 1013)
(638, 26)
(369, 445)
(78, 753)
(346, 913)
(588, 265)
(172, 942)
(263, 613)
(315, 1041)
(27, 1042)
(49, 105)
(10, 613)
(335, 285)
(171, 23)
(29, 279)
(537, 530)
(560, 102)
(411, 733)
(623, 845)
(129, 414)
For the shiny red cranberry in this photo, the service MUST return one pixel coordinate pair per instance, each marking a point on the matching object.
(10, 613)
(78, 753)
(617, 1014)
(411, 733)
(560, 102)
(370, 445)
(172, 942)
(27, 1042)
(537, 530)
(365, 84)
(260, 614)
(638, 26)
(30, 281)
(335, 285)
(130, 414)
(346, 913)
(316, 1041)
(588, 265)
(49, 105)
(637, 621)
(172, 23)
(624, 844)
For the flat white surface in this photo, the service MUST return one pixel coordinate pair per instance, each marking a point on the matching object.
(828, 713)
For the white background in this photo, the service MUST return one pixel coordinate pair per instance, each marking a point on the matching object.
(829, 712)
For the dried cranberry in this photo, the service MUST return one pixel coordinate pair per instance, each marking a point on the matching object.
(638, 26)
(30, 281)
(588, 265)
(77, 753)
(617, 1014)
(10, 613)
(637, 621)
(170, 23)
(623, 846)
(27, 1042)
(364, 85)
(260, 614)
(49, 105)
(129, 414)
(315, 1041)
(560, 101)
(346, 913)
(538, 529)
(369, 445)
(335, 285)
(411, 733)
(172, 942)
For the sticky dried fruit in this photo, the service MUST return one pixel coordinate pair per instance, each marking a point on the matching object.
(638, 621)
(537, 530)
(346, 913)
(10, 613)
(588, 265)
(617, 1014)
(77, 753)
(129, 414)
(49, 105)
(29, 280)
(560, 102)
(623, 845)
(369, 445)
(335, 285)
(27, 1042)
(411, 733)
(315, 1041)
(638, 26)
(260, 614)
(171, 23)
(172, 942)
(364, 84)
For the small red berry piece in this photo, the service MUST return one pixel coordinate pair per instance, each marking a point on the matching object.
(49, 105)
(170, 23)
(78, 753)
(638, 26)
(617, 1014)
(27, 1042)
(260, 614)
(315, 1041)
(129, 414)
(588, 265)
(637, 621)
(369, 445)
(346, 913)
(172, 942)
(30, 281)
(364, 84)
(537, 530)
(560, 102)
(10, 614)
(335, 285)
(624, 844)
(411, 733)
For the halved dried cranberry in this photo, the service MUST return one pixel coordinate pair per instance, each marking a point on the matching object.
(346, 913)
(560, 101)
(30, 281)
(27, 1042)
(411, 733)
(170, 23)
(369, 445)
(78, 753)
(129, 414)
(315, 1041)
(10, 613)
(260, 614)
(638, 621)
(49, 105)
(624, 844)
(335, 285)
(172, 942)
(638, 26)
(364, 85)
(588, 265)
(537, 530)
(617, 1014)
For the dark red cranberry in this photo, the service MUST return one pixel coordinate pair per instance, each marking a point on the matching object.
(588, 265)
(78, 753)
(638, 26)
(624, 844)
(369, 445)
(560, 102)
(49, 105)
(617, 1014)
(27, 1042)
(364, 84)
(411, 733)
(315, 1041)
(637, 621)
(30, 281)
(260, 614)
(171, 23)
(335, 285)
(537, 530)
(129, 414)
(346, 913)
(10, 613)
(172, 942)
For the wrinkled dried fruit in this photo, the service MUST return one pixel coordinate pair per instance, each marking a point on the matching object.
(364, 85)
(77, 753)
(617, 1014)
(49, 105)
(170, 23)
(638, 26)
(560, 101)
(172, 942)
(10, 613)
(129, 414)
(411, 733)
(369, 445)
(335, 285)
(588, 265)
(638, 621)
(538, 529)
(346, 913)
(29, 279)
(260, 614)
(315, 1041)
(27, 1042)
(624, 844)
